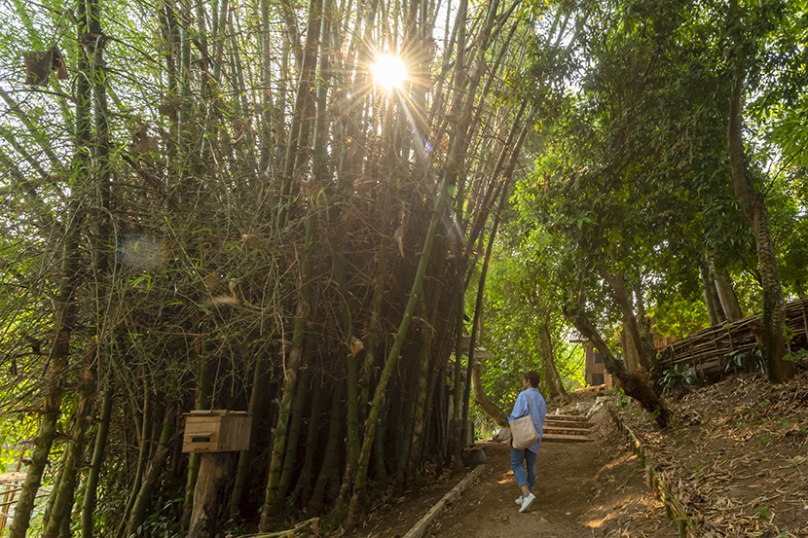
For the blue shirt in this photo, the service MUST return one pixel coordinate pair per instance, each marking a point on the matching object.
(538, 410)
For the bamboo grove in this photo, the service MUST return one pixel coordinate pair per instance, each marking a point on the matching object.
(213, 205)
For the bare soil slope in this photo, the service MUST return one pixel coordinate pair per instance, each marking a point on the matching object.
(735, 456)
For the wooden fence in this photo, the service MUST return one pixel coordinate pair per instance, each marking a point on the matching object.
(706, 350)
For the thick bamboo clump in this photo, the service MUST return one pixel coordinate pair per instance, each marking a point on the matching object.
(251, 222)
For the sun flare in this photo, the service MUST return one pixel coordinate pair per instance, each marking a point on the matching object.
(389, 71)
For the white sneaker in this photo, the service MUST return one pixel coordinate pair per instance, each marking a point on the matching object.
(519, 500)
(527, 501)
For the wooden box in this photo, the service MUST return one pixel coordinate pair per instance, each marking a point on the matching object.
(218, 430)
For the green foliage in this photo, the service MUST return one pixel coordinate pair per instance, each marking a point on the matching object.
(681, 376)
(521, 303)
(745, 360)
(163, 523)
(623, 401)
(797, 355)
(678, 315)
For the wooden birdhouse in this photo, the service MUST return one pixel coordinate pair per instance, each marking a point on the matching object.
(218, 430)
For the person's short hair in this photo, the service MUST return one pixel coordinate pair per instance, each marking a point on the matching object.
(533, 377)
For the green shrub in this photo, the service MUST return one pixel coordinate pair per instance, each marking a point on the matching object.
(681, 376)
(748, 361)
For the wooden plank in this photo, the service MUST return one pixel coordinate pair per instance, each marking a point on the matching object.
(193, 424)
(557, 438)
(593, 388)
(420, 528)
(201, 433)
(189, 446)
(235, 434)
(214, 412)
(9, 478)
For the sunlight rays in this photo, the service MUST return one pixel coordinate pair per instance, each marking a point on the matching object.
(389, 71)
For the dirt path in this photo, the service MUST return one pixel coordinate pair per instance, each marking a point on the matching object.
(596, 489)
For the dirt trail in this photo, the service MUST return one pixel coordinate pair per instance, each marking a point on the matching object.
(595, 489)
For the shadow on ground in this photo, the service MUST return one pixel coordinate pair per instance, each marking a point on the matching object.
(597, 489)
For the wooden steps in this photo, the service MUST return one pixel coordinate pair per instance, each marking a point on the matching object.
(573, 418)
(571, 431)
(568, 423)
(558, 438)
(566, 429)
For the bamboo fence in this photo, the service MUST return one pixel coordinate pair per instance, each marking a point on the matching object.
(706, 350)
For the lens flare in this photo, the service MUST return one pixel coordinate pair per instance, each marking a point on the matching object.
(389, 71)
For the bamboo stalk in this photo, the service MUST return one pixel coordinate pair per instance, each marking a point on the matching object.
(152, 474)
(63, 498)
(371, 424)
(65, 311)
(90, 488)
(316, 501)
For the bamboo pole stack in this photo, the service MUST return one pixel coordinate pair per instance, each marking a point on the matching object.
(706, 350)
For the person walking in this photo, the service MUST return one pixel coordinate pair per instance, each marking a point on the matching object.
(530, 401)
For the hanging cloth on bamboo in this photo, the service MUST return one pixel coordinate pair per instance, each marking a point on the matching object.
(523, 431)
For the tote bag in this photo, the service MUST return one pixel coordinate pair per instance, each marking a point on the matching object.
(523, 431)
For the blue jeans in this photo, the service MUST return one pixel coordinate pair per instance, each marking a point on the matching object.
(519, 456)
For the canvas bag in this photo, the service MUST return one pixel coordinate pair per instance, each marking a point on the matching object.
(523, 431)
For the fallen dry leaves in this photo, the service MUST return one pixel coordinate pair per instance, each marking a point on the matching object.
(735, 456)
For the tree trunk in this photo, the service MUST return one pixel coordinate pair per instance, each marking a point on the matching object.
(304, 102)
(726, 296)
(203, 388)
(754, 205)
(711, 301)
(272, 500)
(267, 145)
(299, 131)
(379, 457)
(65, 308)
(208, 494)
(634, 384)
(409, 406)
(478, 308)
(423, 385)
(552, 379)
(646, 352)
(53, 399)
(482, 398)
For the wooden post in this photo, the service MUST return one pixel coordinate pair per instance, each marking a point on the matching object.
(216, 435)
(213, 471)
(729, 332)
